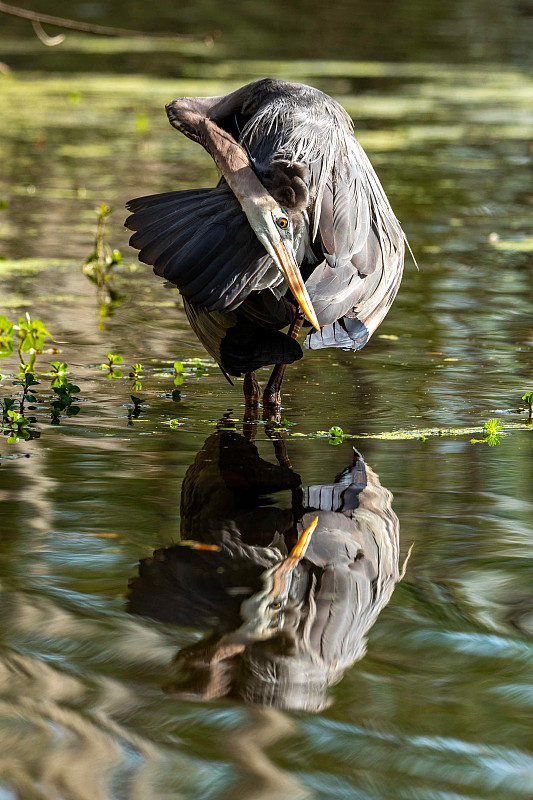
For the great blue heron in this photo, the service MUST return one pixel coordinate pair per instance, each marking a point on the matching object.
(286, 619)
(298, 225)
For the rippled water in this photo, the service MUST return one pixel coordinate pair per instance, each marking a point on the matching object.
(427, 692)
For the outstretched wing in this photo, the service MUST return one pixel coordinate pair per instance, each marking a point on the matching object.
(201, 241)
(363, 248)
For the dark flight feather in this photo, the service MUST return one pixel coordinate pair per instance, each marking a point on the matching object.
(201, 241)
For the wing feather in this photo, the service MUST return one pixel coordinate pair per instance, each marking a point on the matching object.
(363, 243)
(201, 241)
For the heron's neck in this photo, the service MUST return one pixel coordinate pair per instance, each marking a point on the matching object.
(234, 163)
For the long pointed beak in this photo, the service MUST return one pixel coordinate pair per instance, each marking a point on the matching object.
(291, 271)
(294, 557)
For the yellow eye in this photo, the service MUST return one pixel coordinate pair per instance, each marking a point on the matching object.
(283, 222)
(275, 606)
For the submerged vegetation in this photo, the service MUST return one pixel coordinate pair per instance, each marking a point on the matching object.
(101, 264)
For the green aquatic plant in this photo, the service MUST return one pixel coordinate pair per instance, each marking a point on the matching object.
(193, 366)
(65, 401)
(103, 258)
(26, 381)
(30, 339)
(336, 435)
(198, 366)
(279, 425)
(100, 266)
(58, 370)
(7, 404)
(178, 373)
(422, 434)
(135, 373)
(16, 426)
(492, 433)
(110, 367)
(528, 398)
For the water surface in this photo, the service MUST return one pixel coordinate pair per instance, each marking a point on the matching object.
(438, 702)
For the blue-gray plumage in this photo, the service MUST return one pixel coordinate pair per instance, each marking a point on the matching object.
(298, 223)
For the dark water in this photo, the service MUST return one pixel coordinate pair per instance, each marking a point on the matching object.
(423, 688)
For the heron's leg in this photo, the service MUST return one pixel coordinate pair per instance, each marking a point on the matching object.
(252, 394)
(280, 447)
(272, 393)
(252, 390)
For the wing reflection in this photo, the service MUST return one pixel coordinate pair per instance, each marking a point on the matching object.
(288, 593)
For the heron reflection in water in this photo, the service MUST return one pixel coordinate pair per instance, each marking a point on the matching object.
(289, 594)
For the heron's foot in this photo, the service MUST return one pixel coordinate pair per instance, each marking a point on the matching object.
(272, 394)
(271, 406)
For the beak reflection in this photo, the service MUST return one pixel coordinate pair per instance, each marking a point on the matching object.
(287, 566)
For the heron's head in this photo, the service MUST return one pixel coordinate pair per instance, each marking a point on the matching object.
(263, 613)
(273, 227)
